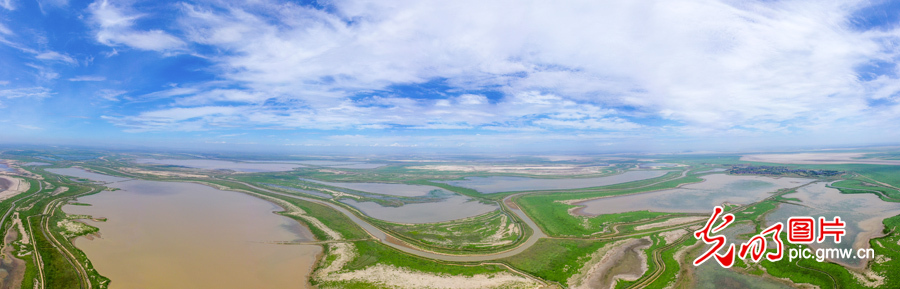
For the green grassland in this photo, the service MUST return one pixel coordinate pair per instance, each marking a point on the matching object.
(476, 234)
(856, 186)
(553, 216)
(555, 259)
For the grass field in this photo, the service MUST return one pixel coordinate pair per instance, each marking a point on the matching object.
(555, 259)
(553, 216)
(484, 233)
(856, 186)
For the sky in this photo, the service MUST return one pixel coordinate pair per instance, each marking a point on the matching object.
(455, 76)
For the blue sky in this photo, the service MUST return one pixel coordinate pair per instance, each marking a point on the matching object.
(456, 76)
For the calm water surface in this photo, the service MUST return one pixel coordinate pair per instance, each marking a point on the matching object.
(452, 208)
(863, 214)
(695, 198)
(185, 235)
(403, 190)
(490, 185)
(249, 167)
(80, 173)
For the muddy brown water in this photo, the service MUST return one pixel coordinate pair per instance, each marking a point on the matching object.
(185, 235)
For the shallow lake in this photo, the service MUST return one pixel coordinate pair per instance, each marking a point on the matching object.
(80, 173)
(490, 185)
(452, 208)
(341, 164)
(694, 198)
(5, 168)
(249, 167)
(863, 214)
(185, 235)
(403, 190)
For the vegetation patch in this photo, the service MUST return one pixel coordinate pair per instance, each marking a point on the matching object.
(551, 210)
(484, 232)
(555, 259)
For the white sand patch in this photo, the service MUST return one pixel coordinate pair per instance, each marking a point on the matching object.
(59, 190)
(669, 222)
(17, 186)
(881, 259)
(505, 229)
(393, 277)
(817, 158)
(166, 174)
(73, 228)
(672, 236)
(868, 278)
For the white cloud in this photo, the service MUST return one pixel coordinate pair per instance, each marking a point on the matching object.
(7, 4)
(29, 127)
(55, 56)
(110, 94)
(29, 92)
(703, 67)
(5, 30)
(114, 27)
(614, 124)
(88, 78)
